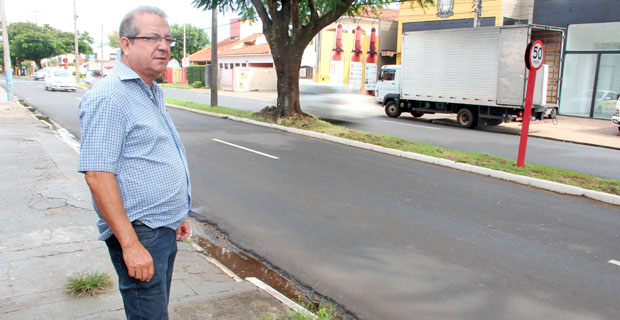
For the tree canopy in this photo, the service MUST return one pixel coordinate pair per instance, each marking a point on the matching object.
(29, 41)
(115, 39)
(195, 39)
(289, 26)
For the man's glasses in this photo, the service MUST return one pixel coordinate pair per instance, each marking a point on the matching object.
(156, 39)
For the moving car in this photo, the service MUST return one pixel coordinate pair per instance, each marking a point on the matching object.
(58, 79)
(329, 101)
(39, 74)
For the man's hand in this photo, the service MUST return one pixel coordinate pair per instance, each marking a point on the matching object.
(139, 262)
(183, 231)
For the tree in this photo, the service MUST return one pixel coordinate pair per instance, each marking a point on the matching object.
(195, 39)
(289, 26)
(29, 41)
(114, 38)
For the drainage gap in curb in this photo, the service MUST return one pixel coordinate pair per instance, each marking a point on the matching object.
(216, 244)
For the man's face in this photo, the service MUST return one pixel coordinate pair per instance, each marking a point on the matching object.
(148, 57)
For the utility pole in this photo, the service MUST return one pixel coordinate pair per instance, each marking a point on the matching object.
(75, 36)
(35, 15)
(8, 70)
(477, 12)
(214, 66)
(184, 55)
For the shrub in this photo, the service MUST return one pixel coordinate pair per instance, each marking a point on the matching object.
(197, 84)
(160, 79)
(88, 284)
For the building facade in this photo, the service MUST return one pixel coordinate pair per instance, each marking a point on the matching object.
(591, 72)
(451, 14)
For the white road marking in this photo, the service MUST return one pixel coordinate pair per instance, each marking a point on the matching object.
(616, 262)
(246, 149)
(413, 125)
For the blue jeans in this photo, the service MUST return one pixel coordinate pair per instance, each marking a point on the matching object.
(147, 300)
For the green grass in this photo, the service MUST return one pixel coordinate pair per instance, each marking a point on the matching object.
(325, 312)
(91, 283)
(478, 159)
(176, 86)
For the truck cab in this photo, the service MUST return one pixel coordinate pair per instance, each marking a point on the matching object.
(388, 82)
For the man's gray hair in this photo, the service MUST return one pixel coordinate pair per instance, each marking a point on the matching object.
(130, 28)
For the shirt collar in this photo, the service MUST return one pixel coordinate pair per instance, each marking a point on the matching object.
(124, 72)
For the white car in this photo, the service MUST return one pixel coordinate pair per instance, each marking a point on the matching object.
(328, 101)
(615, 118)
(39, 74)
(58, 79)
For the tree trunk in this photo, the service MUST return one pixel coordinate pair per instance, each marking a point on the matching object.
(287, 63)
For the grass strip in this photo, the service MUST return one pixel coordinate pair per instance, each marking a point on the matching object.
(474, 158)
(176, 86)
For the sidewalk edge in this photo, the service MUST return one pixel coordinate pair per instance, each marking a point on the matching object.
(282, 298)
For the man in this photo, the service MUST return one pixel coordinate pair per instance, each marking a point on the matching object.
(135, 165)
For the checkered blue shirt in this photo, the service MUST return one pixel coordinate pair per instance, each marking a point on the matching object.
(126, 130)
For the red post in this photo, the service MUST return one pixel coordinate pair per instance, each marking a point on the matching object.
(534, 56)
(184, 76)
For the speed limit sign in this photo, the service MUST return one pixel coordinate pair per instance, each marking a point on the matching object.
(534, 55)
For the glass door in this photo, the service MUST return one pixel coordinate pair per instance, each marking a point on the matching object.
(577, 84)
(607, 86)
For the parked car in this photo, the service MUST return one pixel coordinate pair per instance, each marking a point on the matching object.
(329, 101)
(39, 74)
(58, 79)
(615, 118)
(605, 101)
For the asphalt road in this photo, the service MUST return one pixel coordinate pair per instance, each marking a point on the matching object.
(601, 162)
(391, 238)
(597, 161)
(395, 239)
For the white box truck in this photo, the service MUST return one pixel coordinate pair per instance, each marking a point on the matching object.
(479, 74)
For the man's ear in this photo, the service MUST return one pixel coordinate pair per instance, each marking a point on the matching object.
(125, 45)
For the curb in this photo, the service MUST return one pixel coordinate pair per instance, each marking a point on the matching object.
(528, 181)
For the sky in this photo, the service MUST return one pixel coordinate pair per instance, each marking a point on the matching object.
(93, 15)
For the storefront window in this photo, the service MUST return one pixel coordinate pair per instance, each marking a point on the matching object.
(577, 84)
(608, 86)
(593, 37)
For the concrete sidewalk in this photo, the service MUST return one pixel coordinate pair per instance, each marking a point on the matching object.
(48, 234)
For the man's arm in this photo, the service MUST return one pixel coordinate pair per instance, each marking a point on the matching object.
(107, 196)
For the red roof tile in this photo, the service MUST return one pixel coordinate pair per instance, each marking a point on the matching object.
(232, 47)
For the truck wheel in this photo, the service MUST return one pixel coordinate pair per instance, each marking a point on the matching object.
(466, 118)
(553, 114)
(540, 115)
(392, 109)
(417, 114)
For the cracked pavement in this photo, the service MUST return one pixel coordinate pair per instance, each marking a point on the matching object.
(48, 234)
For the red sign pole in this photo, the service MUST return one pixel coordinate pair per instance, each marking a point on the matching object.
(534, 56)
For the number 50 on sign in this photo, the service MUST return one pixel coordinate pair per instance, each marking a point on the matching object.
(535, 55)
